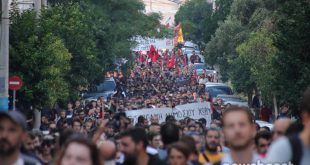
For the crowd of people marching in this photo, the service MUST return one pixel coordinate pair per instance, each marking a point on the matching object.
(159, 81)
(100, 133)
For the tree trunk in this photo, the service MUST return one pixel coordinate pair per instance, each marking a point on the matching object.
(37, 119)
(275, 106)
(250, 94)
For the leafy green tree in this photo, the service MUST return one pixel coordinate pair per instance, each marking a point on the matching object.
(292, 40)
(193, 16)
(245, 16)
(241, 77)
(41, 59)
(93, 32)
(221, 49)
(96, 33)
(259, 54)
(199, 20)
(78, 31)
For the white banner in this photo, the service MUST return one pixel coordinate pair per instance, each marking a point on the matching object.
(144, 44)
(193, 110)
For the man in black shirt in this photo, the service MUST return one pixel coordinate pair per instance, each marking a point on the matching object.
(133, 145)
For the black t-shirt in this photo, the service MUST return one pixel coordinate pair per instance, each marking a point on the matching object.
(154, 160)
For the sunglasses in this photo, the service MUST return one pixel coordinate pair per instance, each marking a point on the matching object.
(264, 145)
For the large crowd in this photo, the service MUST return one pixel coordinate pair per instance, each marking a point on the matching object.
(100, 133)
(166, 81)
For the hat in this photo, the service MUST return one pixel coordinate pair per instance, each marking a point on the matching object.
(16, 116)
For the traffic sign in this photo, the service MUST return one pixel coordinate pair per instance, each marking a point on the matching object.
(15, 83)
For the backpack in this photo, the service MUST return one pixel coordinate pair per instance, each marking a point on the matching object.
(208, 160)
(296, 145)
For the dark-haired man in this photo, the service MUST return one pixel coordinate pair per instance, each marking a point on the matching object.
(211, 154)
(133, 143)
(262, 142)
(169, 134)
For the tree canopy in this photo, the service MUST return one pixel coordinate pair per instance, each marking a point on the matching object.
(70, 45)
(261, 45)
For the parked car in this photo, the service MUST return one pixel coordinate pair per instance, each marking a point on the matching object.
(200, 67)
(189, 51)
(105, 89)
(202, 60)
(229, 100)
(215, 89)
(189, 44)
(264, 124)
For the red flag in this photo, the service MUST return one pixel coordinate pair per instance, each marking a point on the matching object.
(169, 66)
(170, 63)
(153, 54)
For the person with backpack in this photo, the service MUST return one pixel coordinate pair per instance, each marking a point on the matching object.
(294, 148)
(211, 154)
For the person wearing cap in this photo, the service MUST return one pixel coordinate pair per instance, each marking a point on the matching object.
(12, 134)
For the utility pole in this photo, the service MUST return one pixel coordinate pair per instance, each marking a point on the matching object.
(4, 56)
(37, 113)
(44, 3)
(37, 7)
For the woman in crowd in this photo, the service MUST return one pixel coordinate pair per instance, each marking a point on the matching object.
(178, 153)
(79, 151)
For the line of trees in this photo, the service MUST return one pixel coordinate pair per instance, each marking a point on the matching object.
(260, 45)
(71, 44)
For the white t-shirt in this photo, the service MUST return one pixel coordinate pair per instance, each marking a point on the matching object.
(281, 152)
(151, 150)
(19, 161)
(227, 159)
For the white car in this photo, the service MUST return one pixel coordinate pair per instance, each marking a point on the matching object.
(202, 59)
(189, 44)
(229, 100)
(264, 124)
(190, 51)
(215, 89)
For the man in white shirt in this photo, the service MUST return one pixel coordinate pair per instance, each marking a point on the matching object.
(12, 135)
(239, 132)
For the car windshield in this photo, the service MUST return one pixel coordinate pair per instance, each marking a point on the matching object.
(217, 90)
(106, 86)
(210, 71)
(199, 66)
(236, 99)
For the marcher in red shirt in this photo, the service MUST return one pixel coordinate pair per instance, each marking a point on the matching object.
(265, 113)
